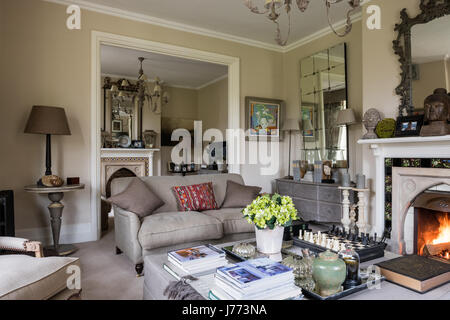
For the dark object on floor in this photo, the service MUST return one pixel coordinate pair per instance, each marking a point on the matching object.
(181, 290)
(73, 180)
(7, 213)
(139, 268)
(118, 251)
(417, 273)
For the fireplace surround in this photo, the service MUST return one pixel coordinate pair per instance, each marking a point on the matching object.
(407, 183)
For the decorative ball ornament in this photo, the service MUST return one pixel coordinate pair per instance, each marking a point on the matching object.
(386, 128)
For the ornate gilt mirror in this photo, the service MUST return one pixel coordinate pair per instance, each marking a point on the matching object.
(423, 47)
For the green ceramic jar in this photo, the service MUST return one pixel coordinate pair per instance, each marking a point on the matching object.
(329, 273)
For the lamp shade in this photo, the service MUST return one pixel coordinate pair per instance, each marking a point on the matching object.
(47, 120)
(346, 116)
(291, 125)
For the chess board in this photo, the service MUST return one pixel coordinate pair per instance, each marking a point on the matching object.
(366, 252)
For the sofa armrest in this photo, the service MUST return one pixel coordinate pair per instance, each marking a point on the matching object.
(126, 228)
(21, 245)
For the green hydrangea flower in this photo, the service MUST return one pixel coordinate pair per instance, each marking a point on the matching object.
(269, 212)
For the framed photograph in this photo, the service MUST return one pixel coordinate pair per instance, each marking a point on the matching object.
(138, 144)
(409, 126)
(116, 126)
(263, 118)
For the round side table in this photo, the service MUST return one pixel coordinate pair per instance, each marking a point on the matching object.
(56, 194)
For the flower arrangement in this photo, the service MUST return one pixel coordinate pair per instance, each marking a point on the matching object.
(269, 212)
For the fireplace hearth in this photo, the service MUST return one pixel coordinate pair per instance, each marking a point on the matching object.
(432, 225)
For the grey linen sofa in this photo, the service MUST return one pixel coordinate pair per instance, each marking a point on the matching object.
(168, 227)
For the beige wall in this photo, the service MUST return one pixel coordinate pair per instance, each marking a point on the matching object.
(213, 105)
(354, 79)
(381, 75)
(45, 63)
(432, 76)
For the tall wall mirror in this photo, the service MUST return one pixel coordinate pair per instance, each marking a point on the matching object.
(423, 45)
(323, 88)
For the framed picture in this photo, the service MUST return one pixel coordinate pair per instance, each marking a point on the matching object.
(138, 144)
(263, 118)
(409, 126)
(116, 126)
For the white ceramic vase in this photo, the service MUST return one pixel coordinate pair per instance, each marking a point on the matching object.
(269, 241)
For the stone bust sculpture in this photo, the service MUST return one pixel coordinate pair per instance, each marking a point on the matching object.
(370, 121)
(437, 113)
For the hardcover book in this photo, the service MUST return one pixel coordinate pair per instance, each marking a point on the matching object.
(415, 272)
(200, 253)
(249, 272)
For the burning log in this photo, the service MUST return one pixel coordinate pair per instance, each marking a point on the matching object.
(436, 249)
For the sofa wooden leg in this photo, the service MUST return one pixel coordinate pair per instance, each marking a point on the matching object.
(118, 251)
(139, 268)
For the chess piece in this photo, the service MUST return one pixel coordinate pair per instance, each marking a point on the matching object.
(333, 230)
(370, 121)
(300, 234)
(336, 246)
(437, 113)
(324, 241)
(375, 237)
(329, 244)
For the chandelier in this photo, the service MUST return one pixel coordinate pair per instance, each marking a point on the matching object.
(272, 9)
(141, 93)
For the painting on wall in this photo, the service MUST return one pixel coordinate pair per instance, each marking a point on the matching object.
(263, 117)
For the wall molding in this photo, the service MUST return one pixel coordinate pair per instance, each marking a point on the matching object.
(118, 76)
(212, 82)
(125, 14)
(101, 38)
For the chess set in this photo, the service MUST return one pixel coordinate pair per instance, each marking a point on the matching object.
(336, 239)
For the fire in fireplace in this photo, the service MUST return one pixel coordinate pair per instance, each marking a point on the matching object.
(432, 225)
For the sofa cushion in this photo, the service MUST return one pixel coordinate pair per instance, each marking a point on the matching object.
(239, 195)
(197, 197)
(169, 228)
(232, 219)
(162, 186)
(137, 198)
(27, 278)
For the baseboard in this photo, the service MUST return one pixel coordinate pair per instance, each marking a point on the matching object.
(74, 233)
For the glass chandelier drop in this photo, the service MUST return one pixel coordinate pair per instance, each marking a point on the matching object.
(273, 7)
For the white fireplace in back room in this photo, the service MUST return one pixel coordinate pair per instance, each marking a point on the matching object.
(407, 183)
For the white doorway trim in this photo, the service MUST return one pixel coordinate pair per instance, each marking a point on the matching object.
(102, 38)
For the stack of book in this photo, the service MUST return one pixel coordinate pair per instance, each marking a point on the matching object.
(257, 279)
(198, 259)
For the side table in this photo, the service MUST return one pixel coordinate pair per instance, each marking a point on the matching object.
(56, 194)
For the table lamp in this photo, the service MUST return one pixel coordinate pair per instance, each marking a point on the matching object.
(48, 121)
(290, 125)
(346, 117)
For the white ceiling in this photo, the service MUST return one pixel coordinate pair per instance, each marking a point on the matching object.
(178, 72)
(431, 41)
(229, 19)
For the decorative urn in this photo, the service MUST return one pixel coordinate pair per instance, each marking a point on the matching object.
(329, 272)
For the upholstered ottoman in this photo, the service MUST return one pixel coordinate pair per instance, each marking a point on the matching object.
(27, 278)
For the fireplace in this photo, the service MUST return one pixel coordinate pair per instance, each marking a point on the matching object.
(432, 225)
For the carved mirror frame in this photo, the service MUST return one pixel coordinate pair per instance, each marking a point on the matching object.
(430, 10)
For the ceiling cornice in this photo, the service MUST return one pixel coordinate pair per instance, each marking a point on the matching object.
(212, 82)
(202, 31)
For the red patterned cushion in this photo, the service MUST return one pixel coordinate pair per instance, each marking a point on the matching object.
(197, 197)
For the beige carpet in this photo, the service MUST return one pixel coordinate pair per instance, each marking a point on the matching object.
(105, 275)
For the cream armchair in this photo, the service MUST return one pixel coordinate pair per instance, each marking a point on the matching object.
(24, 277)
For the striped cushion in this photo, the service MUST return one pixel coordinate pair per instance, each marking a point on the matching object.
(197, 197)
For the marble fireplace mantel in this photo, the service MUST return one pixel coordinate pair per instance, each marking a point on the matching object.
(408, 147)
(130, 153)
(138, 161)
